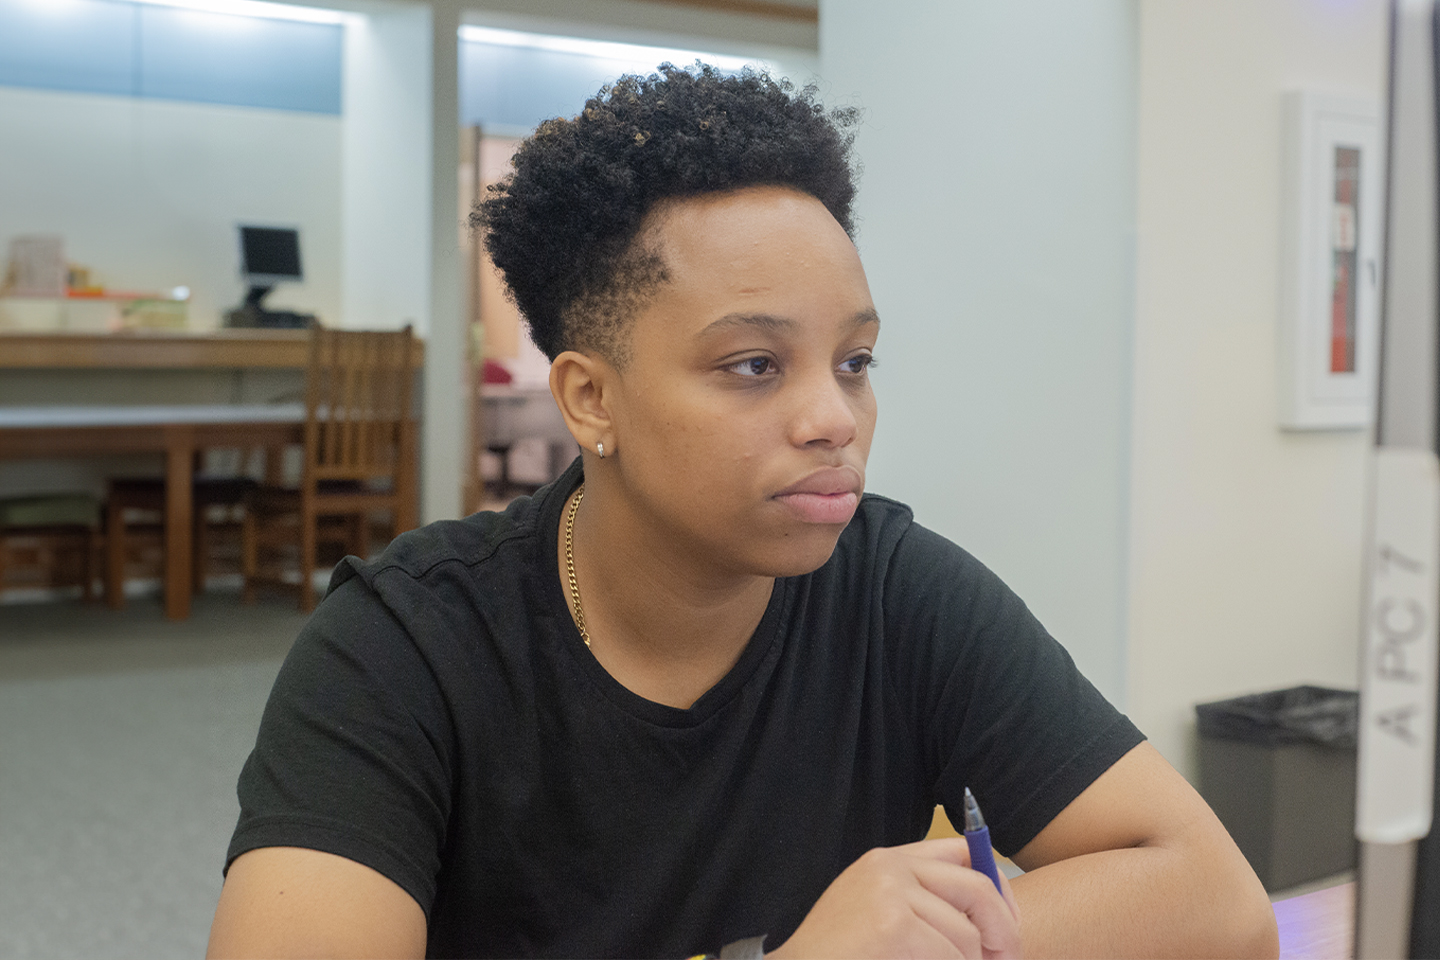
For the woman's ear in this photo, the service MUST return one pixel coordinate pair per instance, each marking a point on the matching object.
(578, 382)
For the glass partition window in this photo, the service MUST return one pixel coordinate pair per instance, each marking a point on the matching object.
(172, 53)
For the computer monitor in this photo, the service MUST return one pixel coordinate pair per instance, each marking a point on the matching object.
(268, 255)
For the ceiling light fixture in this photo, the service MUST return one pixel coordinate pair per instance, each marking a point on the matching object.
(259, 8)
(636, 55)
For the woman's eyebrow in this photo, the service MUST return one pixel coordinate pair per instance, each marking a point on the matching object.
(765, 321)
(777, 324)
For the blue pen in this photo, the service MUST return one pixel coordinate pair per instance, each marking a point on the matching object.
(977, 837)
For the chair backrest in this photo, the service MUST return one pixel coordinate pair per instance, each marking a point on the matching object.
(357, 404)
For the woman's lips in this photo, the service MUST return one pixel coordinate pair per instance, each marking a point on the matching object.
(826, 496)
(821, 507)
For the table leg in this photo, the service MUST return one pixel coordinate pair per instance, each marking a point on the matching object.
(179, 505)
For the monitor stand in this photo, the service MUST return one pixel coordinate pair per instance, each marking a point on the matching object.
(252, 313)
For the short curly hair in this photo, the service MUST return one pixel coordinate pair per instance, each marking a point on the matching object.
(563, 226)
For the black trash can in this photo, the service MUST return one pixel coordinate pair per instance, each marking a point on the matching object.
(1278, 769)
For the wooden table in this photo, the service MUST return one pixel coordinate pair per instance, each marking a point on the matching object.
(1319, 925)
(176, 431)
(159, 350)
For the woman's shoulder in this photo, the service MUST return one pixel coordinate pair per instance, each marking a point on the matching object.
(444, 586)
(471, 541)
(878, 520)
(483, 551)
(885, 530)
(885, 541)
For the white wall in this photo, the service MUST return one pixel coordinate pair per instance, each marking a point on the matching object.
(148, 192)
(996, 226)
(1246, 545)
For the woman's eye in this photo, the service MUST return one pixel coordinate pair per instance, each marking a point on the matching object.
(754, 366)
(858, 363)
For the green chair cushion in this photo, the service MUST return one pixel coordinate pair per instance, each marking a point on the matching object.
(50, 510)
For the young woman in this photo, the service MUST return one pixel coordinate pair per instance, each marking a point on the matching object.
(702, 692)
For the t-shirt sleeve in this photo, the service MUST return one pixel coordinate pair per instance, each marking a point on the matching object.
(1000, 706)
(353, 753)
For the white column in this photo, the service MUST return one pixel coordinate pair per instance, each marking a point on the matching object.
(385, 170)
(443, 439)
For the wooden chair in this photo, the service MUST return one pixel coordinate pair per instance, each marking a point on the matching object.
(146, 495)
(359, 459)
(49, 540)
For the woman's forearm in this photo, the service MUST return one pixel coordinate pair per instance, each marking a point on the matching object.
(1148, 901)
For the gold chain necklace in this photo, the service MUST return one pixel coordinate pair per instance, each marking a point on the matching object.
(570, 563)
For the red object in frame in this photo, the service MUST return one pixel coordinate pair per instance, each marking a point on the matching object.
(1344, 260)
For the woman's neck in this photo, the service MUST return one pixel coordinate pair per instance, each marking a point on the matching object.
(666, 625)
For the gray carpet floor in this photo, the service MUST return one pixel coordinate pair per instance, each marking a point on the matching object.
(121, 736)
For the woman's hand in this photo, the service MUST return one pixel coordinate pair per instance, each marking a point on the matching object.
(919, 900)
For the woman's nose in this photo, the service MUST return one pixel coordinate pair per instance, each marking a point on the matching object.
(824, 413)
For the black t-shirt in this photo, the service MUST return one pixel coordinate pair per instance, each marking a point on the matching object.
(440, 720)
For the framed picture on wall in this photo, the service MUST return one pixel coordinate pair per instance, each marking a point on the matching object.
(1330, 294)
